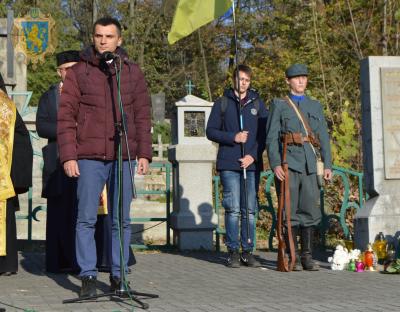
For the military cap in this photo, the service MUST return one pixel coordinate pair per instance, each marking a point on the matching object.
(296, 70)
(67, 57)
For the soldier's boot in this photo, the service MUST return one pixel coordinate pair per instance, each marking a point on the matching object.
(306, 236)
(297, 264)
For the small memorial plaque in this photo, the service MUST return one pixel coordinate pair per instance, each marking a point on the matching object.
(390, 82)
(194, 123)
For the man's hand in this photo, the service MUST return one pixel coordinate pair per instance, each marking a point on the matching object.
(327, 174)
(71, 168)
(241, 137)
(279, 173)
(246, 161)
(142, 166)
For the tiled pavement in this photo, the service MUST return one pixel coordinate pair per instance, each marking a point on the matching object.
(199, 282)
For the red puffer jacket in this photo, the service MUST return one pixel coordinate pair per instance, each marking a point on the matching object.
(88, 110)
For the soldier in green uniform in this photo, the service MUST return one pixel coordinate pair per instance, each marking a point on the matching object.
(302, 151)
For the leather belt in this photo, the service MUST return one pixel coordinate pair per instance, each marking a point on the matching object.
(297, 138)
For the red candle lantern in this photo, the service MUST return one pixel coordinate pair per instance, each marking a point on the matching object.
(369, 258)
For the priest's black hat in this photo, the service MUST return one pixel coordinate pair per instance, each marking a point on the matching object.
(67, 57)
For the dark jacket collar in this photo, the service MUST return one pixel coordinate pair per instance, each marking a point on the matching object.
(252, 95)
(90, 55)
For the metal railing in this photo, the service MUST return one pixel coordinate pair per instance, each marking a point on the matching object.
(31, 212)
(347, 202)
(167, 193)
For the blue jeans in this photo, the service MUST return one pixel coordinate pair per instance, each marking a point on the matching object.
(94, 174)
(234, 203)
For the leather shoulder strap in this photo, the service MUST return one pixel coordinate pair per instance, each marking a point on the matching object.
(299, 114)
(303, 121)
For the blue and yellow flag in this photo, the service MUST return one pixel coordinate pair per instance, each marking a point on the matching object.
(192, 14)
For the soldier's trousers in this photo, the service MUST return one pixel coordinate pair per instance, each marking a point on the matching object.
(304, 199)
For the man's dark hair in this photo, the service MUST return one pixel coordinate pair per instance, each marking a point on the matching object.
(242, 68)
(105, 21)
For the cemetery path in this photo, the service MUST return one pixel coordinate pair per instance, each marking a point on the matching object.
(198, 281)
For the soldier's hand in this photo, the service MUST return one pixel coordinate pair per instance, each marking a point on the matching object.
(142, 166)
(327, 174)
(71, 168)
(241, 137)
(279, 173)
(246, 161)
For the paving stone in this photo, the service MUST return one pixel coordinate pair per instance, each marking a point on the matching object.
(199, 282)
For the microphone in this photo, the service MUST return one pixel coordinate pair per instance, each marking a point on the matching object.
(109, 56)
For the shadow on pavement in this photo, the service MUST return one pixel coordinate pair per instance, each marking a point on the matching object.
(268, 260)
(34, 263)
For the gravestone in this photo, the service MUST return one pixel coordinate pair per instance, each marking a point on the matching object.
(380, 97)
(158, 106)
(193, 218)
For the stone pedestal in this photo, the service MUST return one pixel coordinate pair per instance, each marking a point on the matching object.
(380, 87)
(193, 218)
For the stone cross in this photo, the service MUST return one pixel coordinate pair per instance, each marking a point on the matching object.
(189, 87)
(160, 147)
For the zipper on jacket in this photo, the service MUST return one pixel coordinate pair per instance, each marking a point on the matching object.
(105, 118)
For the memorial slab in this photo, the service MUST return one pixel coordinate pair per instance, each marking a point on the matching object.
(380, 100)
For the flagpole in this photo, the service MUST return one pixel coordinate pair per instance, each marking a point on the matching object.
(235, 39)
(239, 109)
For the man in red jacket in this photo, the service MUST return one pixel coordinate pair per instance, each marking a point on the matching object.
(88, 141)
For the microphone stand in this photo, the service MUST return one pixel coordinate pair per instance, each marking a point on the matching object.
(124, 290)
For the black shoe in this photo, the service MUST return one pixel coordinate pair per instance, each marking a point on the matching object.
(233, 260)
(115, 284)
(249, 260)
(88, 287)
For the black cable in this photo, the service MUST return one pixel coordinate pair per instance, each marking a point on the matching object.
(141, 231)
(10, 306)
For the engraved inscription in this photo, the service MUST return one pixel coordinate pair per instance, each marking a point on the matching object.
(390, 87)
